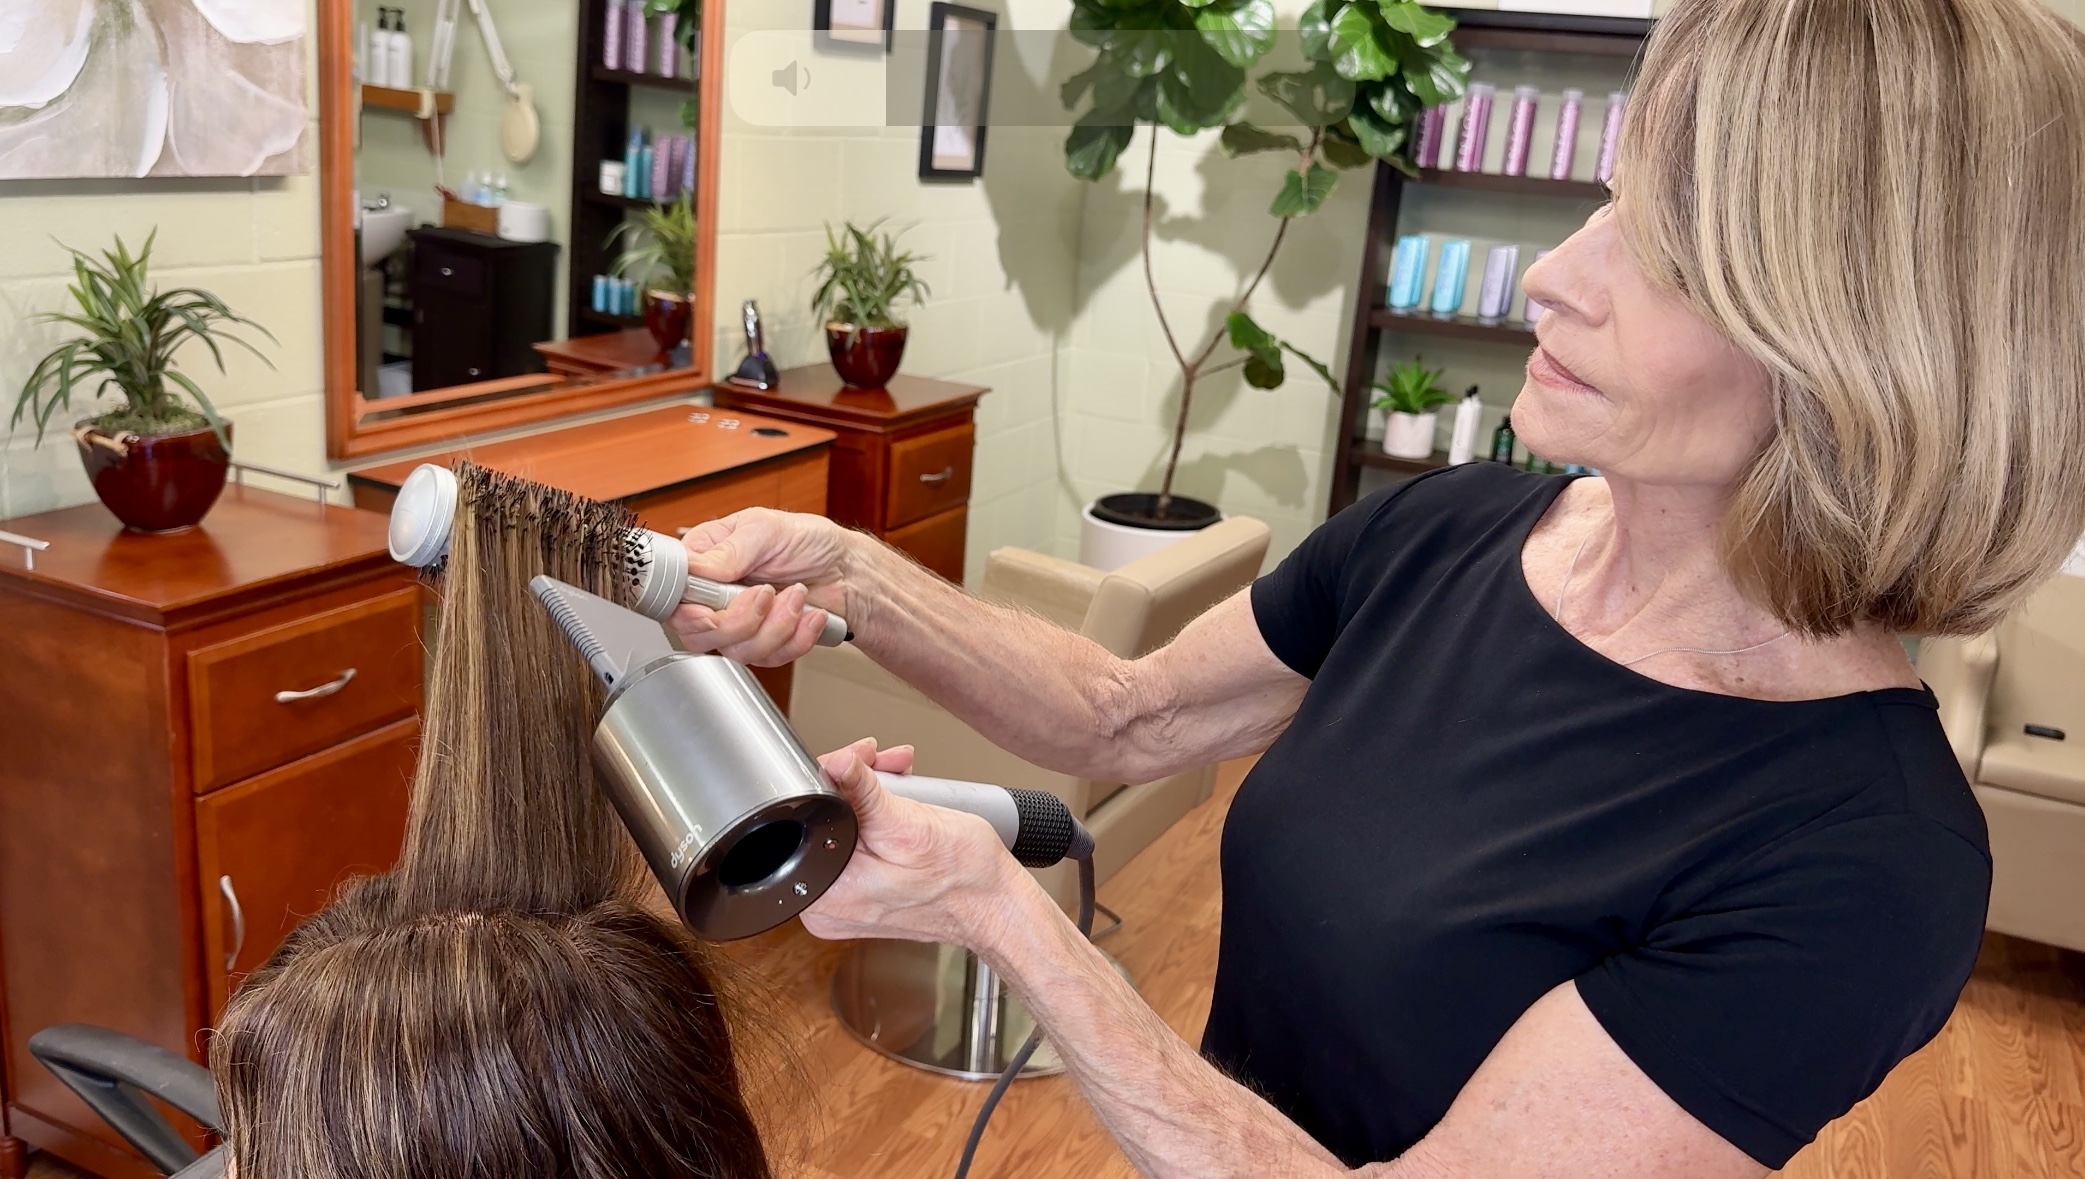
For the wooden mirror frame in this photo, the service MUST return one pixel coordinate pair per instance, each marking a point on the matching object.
(443, 414)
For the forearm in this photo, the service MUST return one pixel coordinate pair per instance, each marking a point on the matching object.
(1044, 693)
(1172, 1112)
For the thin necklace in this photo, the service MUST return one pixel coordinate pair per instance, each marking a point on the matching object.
(1572, 571)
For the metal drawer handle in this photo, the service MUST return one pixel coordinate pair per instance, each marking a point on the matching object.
(323, 690)
(448, 273)
(231, 896)
(941, 476)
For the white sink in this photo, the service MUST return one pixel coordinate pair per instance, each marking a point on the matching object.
(383, 231)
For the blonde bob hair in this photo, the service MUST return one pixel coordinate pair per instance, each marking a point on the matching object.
(1883, 203)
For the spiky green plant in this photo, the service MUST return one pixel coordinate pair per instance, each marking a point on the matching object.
(659, 240)
(864, 276)
(1412, 388)
(130, 335)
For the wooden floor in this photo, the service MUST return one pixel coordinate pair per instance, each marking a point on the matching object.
(2000, 1093)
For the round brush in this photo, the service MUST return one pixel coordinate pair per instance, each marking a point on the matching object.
(425, 511)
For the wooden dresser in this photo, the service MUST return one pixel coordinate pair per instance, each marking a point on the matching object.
(479, 303)
(201, 734)
(901, 459)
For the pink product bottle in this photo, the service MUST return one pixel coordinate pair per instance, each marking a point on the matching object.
(1567, 135)
(1520, 129)
(1611, 135)
(1476, 128)
(668, 54)
(1432, 122)
(634, 39)
(612, 35)
(662, 167)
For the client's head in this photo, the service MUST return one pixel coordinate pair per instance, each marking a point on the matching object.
(506, 1002)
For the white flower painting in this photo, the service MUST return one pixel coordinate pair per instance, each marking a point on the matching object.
(152, 88)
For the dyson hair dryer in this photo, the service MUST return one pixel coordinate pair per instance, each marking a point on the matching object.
(735, 819)
(425, 511)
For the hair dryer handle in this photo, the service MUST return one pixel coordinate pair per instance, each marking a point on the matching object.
(1034, 825)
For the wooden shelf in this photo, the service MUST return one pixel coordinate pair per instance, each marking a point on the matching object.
(385, 98)
(1526, 185)
(601, 73)
(1370, 454)
(1461, 327)
(623, 321)
(1598, 36)
(611, 201)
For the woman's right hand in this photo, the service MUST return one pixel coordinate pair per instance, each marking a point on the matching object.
(798, 565)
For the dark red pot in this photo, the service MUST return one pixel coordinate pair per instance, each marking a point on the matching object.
(666, 317)
(155, 484)
(866, 358)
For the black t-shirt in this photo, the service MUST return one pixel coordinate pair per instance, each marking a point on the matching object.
(1767, 905)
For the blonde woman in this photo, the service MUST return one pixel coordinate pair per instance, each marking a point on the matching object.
(1602, 826)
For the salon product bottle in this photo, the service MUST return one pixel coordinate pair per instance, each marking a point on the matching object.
(631, 152)
(376, 67)
(1432, 122)
(1495, 297)
(688, 164)
(1537, 465)
(1567, 135)
(1611, 135)
(646, 160)
(1449, 277)
(637, 23)
(1520, 129)
(612, 38)
(499, 190)
(1476, 128)
(401, 52)
(1502, 442)
(668, 50)
(600, 299)
(1408, 271)
(1462, 440)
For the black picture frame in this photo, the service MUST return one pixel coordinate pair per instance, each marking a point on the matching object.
(935, 164)
(825, 38)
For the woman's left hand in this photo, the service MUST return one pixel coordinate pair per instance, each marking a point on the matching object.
(919, 873)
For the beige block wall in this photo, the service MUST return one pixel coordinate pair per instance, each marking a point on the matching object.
(1002, 253)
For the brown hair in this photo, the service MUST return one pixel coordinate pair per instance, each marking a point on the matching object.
(1880, 201)
(503, 1004)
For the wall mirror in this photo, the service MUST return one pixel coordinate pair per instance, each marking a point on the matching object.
(560, 130)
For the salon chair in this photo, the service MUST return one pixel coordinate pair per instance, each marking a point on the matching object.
(2011, 701)
(938, 1006)
(116, 1074)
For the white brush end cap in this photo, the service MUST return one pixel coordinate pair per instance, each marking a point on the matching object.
(422, 515)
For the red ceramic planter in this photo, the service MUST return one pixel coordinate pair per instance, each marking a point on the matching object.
(866, 358)
(666, 317)
(155, 484)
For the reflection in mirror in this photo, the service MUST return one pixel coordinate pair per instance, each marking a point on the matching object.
(524, 193)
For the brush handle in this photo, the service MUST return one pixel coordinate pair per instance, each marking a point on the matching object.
(716, 595)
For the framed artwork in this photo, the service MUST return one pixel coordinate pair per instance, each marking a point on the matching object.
(959, 92)
(854, 24)
(147, 88)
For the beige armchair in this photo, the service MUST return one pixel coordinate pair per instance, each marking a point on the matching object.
(2013, 705)
(839, 695)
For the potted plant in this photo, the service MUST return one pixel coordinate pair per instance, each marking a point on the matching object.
(1410, 397)
(156, 461)
(862, 280)
(658, 251)
(1186, 66)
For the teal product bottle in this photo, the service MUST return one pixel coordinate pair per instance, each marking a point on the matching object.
(1502, 443)
(1449, 277)
(1538, 465)
(1408, 271)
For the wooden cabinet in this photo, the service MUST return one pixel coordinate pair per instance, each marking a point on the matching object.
(187, 769)
(902, 460)
(480, 303)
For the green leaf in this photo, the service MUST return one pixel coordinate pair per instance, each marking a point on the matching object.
(1091, 149)
(1314, 27)
(1241, 33)
(1315, 365)
(1143, 53)
(1077, 86)
(1427, 28)
(1357, 53)
(1318, 97)
(1264, 373)
(1303, 192)
(1345, 154)
(1247, 335)
(1377, 138)
(1435, 76)
(1244, 139)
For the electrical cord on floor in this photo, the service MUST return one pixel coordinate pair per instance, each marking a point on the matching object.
(1035, 1038)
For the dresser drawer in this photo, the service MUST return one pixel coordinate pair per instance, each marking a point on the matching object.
(266, 698)
(442, 270)
(929, 473)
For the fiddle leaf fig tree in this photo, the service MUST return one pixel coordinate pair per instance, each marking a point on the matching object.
(1190, 66)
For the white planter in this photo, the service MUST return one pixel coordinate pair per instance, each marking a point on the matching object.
(1107, 546)
(1408, 435)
